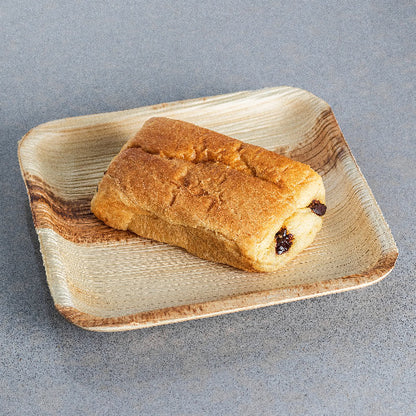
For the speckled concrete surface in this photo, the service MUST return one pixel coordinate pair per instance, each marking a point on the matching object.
(345, 354)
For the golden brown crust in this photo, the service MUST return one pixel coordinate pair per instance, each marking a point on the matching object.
(215, 196)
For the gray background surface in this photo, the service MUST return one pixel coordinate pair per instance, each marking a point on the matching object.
(346, 354)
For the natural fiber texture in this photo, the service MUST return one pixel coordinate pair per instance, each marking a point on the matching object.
(104, 279)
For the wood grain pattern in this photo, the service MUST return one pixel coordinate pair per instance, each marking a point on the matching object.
(108, 280)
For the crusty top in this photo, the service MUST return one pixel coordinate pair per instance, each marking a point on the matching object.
(195, 177)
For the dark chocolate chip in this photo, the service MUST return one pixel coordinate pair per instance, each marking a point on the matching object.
(317, 207)
(284, 241)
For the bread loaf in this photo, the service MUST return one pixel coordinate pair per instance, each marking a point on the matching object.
(215, 196)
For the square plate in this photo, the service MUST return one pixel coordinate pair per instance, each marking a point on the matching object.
(107, 280)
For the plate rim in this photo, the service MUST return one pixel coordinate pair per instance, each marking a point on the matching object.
(253, 300)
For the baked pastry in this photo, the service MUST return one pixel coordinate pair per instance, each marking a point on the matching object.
(217, 197)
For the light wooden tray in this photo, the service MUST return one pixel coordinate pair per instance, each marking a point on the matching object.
(107, 280)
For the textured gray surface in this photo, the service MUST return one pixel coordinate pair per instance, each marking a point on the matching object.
(345, 354)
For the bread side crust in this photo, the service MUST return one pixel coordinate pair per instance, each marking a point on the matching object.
(200, 242)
